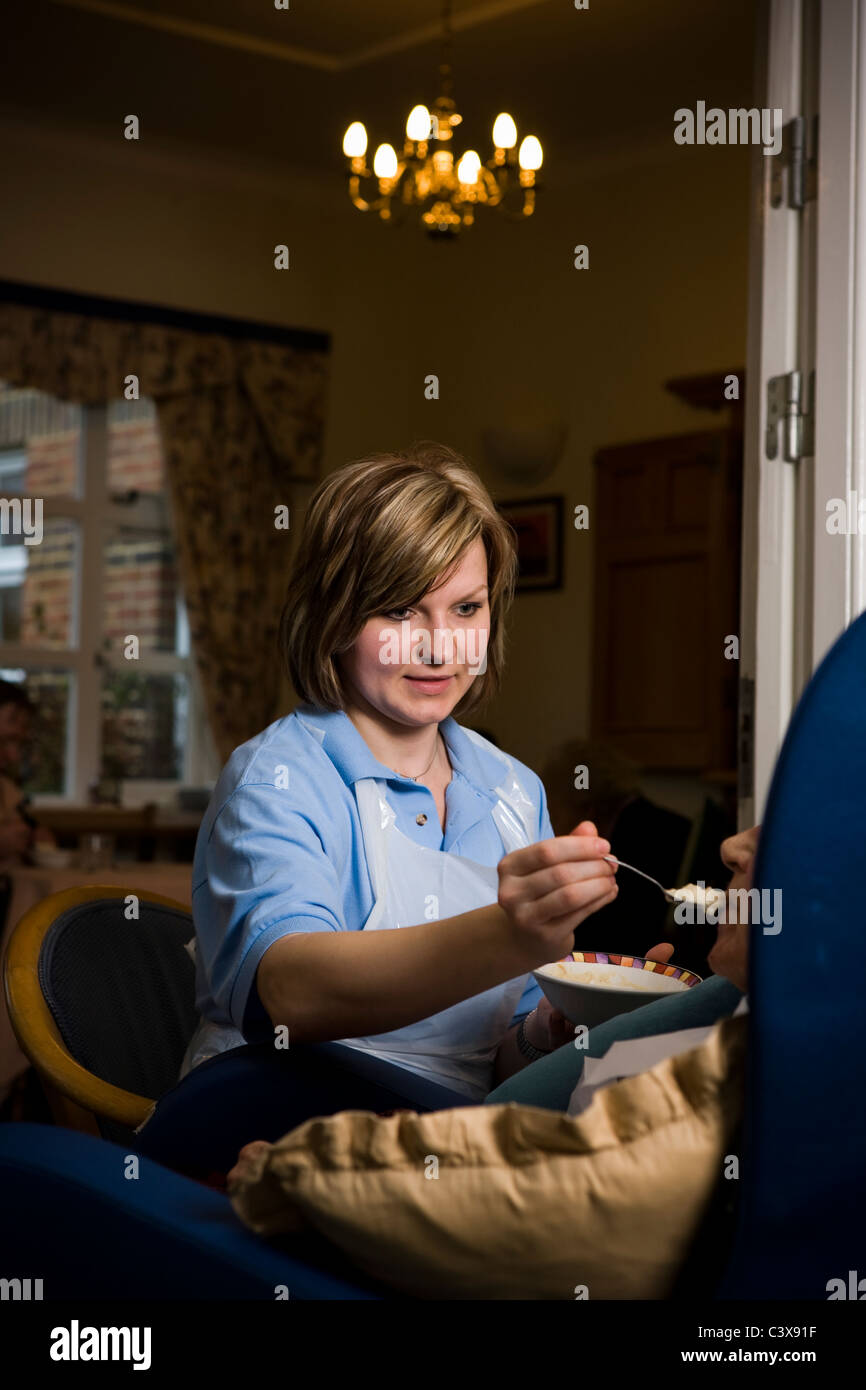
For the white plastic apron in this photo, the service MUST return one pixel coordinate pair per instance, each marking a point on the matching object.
(413, 884)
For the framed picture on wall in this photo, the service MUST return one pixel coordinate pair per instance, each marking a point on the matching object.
(537, 523)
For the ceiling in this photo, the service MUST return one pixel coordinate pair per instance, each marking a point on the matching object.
(244, 79)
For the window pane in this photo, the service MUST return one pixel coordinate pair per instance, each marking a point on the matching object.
(135, 460)
(44, 435)
(139, 592)
(43, 761)
(13, 471)
(144, 725)
(10, 611)
(36, 587)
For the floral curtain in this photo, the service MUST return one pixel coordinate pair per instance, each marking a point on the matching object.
(241, 422)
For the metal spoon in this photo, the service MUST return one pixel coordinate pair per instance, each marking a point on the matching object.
(669, 896)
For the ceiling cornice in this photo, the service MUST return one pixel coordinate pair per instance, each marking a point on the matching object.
(289, 53)
(205, 166)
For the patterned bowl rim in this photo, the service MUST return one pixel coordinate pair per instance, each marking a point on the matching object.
(675, 972)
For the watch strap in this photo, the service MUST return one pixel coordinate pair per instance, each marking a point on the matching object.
(525, 1046)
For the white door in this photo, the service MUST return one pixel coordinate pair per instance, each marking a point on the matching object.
(804, 574)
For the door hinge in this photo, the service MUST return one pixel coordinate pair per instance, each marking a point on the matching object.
(787, 406)
(799, 155)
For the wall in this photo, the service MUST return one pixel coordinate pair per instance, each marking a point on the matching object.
(511, 329)
(515, 333)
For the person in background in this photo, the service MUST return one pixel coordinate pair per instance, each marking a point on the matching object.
(21, 1099)
(17, 836)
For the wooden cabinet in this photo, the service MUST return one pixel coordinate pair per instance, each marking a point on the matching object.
(666, 521)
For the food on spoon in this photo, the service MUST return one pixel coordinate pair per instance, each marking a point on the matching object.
(700, 895)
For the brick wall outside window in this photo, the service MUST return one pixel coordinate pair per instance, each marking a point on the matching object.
(139, 586)
(139, 576)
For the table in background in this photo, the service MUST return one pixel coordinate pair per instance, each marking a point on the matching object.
(29, 885)
(152, 832)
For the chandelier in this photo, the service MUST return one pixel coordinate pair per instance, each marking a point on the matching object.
(426, 176)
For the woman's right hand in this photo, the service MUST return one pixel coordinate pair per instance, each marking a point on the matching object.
(549, 888)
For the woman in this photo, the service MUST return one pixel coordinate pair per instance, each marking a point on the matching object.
(370, 808)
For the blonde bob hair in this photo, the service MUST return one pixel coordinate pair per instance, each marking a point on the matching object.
(378, 533)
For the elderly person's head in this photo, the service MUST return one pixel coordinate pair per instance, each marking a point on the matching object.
(395, 549)
(730, 955)
(16, 717)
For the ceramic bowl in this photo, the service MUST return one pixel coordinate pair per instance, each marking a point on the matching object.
(590, 987)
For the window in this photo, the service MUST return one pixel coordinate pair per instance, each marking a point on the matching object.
(91, 614)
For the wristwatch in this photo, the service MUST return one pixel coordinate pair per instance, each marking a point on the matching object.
(525, 1046)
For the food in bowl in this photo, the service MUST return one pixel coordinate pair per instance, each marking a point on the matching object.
(589, 987)
(616, 977)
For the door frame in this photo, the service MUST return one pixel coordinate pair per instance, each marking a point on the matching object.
(767, 581)
(801, 585)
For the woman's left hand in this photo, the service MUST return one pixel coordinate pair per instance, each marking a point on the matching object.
(548, 1029)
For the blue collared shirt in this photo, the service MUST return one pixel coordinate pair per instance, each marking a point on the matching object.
(280, 848)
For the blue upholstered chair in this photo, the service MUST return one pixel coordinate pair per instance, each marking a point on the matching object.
(802, 1219)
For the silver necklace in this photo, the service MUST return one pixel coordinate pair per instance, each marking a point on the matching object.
(427, 768)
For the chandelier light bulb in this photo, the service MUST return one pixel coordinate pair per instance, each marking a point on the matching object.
(385, 162)
(418, 123)
(530, 154)
(467, 169)
(355, 140)
(504, 132)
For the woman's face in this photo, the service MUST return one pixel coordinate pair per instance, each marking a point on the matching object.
(413, 665)
(730, 955)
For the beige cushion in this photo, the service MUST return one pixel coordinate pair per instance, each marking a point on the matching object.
(528, 1203)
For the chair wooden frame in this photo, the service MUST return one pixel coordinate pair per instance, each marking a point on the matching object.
(32, 1020)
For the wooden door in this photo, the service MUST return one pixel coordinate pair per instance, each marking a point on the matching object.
(667, 568)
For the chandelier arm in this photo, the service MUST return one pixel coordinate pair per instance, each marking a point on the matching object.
(395, 211)
(363, 204)
(385, 197)
(526, 210)
(494, 190)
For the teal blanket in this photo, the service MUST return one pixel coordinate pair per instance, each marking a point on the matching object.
(549, 1082)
